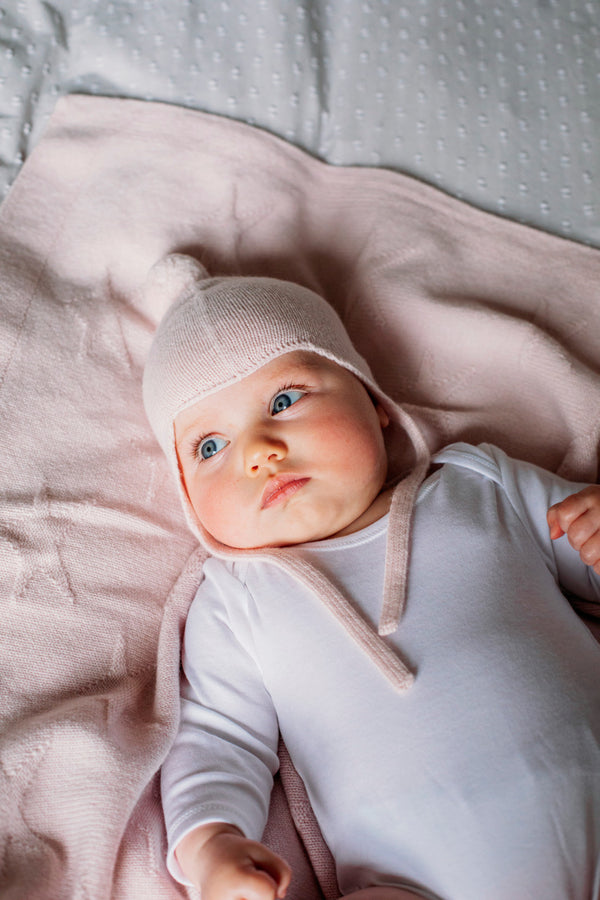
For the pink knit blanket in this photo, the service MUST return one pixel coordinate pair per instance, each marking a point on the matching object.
(489, 330)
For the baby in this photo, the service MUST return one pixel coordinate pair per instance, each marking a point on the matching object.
(397, 619)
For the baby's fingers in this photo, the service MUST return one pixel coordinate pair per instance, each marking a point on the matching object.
(258, 885)
(590, 552)
(269, 871)
(554, 522)
(578, 516)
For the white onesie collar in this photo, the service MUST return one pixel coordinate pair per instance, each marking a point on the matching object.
(366, 534)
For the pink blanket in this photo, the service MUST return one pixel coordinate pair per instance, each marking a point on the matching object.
(487, 329)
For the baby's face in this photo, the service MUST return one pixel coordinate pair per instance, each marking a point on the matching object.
(292, 453)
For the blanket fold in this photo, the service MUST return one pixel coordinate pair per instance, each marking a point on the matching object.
(486, 329)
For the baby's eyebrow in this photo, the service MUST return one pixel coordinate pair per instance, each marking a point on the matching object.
(194, 428)
(298, 373)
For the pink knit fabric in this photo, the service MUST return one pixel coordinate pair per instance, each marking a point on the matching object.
(218, 331)
(484, 329)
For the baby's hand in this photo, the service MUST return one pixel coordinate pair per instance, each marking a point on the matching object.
(578, 516)
(228, 866)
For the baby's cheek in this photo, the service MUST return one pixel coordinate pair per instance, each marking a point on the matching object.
(206, 506)
(364, 455)
(226, 515)
(214, 507)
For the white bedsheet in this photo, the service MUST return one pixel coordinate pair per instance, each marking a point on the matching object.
(496, 102)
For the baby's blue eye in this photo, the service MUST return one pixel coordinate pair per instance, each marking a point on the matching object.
(284, 399)
(210, 446)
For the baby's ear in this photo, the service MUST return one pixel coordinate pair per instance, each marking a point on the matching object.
(168, 279)
(384, 419)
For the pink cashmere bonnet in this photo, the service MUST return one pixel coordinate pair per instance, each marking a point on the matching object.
(218, 330)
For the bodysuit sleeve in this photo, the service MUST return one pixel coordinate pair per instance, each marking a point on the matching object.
(531, 491)
(221, 765)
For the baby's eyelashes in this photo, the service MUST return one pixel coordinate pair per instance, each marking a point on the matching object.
(207, 447)
(284, 399)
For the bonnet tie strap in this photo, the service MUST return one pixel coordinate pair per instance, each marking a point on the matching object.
(380, 653)
(399, 530)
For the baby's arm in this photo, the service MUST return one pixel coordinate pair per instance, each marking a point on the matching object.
(578, 516)
(224, 865)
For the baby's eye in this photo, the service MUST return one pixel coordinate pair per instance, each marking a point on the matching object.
(284, 399)
(210, 446)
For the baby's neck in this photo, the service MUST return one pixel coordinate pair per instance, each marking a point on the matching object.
(378, 508)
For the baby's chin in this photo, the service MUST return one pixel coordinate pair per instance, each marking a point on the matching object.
(306, 524)
(291, 541)
(297, 536)
(300, 533)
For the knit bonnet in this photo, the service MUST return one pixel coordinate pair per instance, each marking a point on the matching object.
(218, 330)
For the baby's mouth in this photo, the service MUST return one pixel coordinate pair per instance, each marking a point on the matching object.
(280, 488)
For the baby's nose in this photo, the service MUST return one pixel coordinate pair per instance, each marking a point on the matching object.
(263, 452)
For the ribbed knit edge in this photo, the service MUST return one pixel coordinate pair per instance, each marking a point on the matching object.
(397, 556)
(386, 659)
(304, 819)
(396, 566)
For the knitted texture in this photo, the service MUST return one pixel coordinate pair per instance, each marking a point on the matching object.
(92, 540)
(304, 819)
(219, 330)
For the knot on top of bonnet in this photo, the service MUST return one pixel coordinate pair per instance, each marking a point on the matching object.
(170, 278)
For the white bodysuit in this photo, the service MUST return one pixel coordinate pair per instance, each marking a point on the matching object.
(481, 781)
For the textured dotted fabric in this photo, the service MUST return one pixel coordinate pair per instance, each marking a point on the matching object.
(495, 101)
